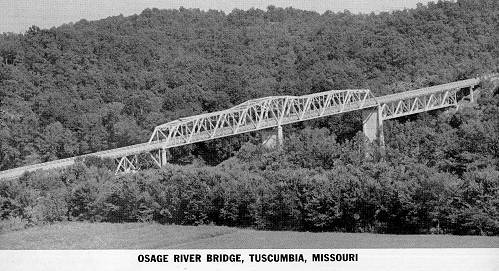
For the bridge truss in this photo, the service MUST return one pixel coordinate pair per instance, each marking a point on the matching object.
(260, 114)
(252, 115)
(268, 112)
(424, 99)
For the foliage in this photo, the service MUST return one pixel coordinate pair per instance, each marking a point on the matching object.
(376, 197)
(91, 86)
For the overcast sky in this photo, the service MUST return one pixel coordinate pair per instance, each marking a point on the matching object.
(18, 15)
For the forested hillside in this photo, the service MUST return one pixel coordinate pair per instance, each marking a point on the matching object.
(90, 86)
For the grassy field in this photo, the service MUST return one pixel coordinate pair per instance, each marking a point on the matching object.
(79, 235)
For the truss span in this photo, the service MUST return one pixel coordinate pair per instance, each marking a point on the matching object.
(260, 114)
(424, 99)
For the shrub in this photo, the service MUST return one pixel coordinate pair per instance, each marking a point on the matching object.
(95, 161)
(237, 197)
(83, 200)
(12, 223)
(476, 206)
(189, 198)
(386, 197)
(49, 208)
(120, 201)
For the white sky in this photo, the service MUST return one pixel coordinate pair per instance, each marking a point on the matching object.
(18, 15)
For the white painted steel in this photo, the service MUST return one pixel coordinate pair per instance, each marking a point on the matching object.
(264, 113)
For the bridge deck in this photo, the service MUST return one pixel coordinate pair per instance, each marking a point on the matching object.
(247, 127)
(427, 90)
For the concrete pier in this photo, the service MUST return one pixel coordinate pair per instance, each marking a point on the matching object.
(280, 137)
(373, 127)
(272, 138)
(164, 160)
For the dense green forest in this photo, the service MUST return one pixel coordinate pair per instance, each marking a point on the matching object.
(90, 86)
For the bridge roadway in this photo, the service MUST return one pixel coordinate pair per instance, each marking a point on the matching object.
(428, 90)
(227, 131)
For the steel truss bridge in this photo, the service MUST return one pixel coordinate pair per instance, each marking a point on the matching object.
(275, 111)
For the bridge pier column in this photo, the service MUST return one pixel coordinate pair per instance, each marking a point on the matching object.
(373, 129)
(472, 94)
(280, 137)
(163, 157)
(273, 139)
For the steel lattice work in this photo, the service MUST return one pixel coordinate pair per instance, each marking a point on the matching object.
(127, 163)
(418, 104)
(260, 114)
(271, 112)
(422, 100)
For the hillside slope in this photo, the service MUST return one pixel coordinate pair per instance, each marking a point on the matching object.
(90, 86)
